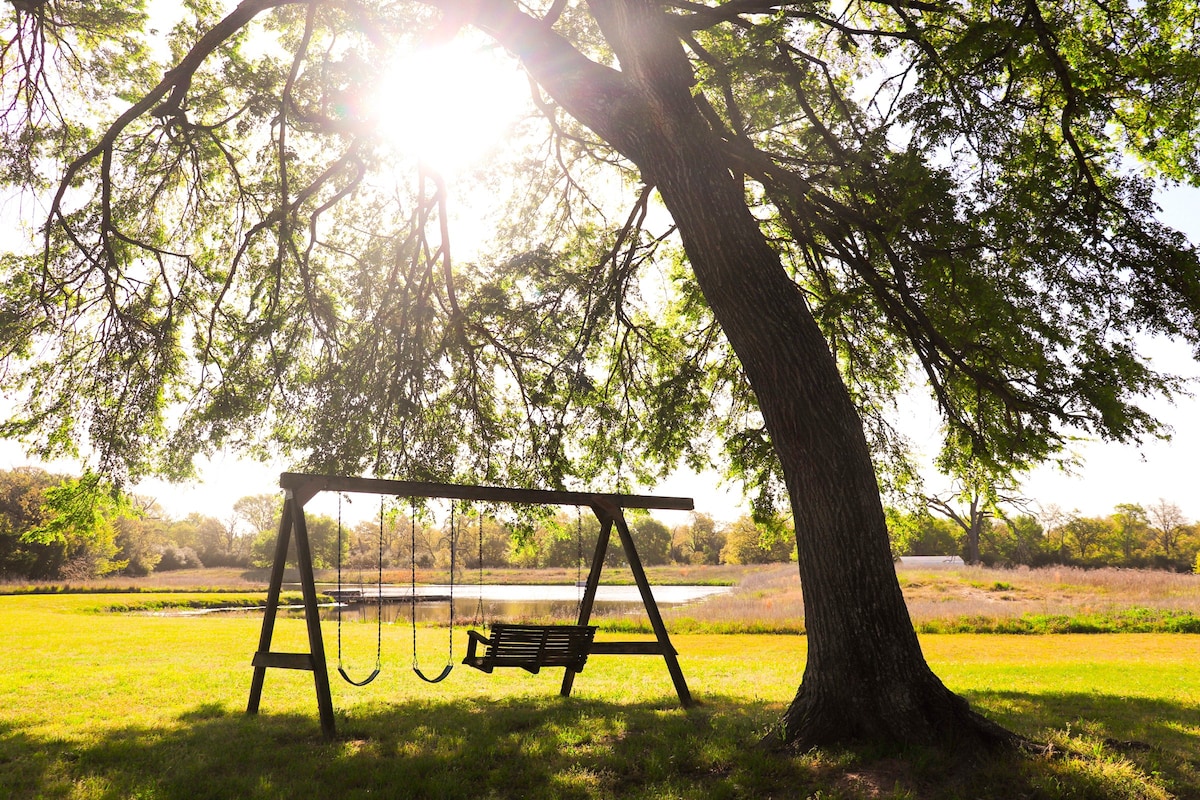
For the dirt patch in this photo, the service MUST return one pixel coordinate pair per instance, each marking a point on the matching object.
(885, 778)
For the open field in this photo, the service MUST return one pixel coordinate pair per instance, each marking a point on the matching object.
(965, 592)
(99, 705)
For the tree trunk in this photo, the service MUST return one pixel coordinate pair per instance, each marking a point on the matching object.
(866, 678)
(976, 525)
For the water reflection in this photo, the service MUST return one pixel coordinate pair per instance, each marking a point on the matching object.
(468, 611)
(491, 603)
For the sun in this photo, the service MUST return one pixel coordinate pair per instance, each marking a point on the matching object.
(450, 105)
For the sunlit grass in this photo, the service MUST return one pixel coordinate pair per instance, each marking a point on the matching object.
(98, 706)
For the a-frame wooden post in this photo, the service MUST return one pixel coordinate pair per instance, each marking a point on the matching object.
(610, 516)
(292, 522)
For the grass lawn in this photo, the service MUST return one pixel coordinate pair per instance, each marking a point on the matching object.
(104, 706)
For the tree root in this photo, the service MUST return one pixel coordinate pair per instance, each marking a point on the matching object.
(942, 720)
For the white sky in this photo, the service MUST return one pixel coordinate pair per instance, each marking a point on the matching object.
(1113, 474)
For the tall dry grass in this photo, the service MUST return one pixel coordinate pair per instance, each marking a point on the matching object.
(1007, 593)
(766, 599)
(770, 598)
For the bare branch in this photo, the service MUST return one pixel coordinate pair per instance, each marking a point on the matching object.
(177, 79)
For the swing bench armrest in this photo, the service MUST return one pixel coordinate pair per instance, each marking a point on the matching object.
(473, 638)
(531, 647)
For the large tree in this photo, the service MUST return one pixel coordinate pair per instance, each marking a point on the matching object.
(853, 189)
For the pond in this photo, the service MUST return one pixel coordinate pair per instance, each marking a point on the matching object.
(499, 601)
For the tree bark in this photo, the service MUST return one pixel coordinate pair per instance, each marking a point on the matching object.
(971, 523)
(972, 554)
(866, 678)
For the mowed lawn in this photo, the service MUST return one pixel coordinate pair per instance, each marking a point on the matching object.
(106, 705)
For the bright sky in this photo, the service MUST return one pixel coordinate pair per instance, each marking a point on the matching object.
(450, 104)
(1109, 474)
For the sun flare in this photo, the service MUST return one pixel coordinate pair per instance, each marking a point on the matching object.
(450, 105)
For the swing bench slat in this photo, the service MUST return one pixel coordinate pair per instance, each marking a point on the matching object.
(531, 647)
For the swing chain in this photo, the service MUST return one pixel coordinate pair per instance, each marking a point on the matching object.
(413, 599)
(379, 603)
(479, 613)
(578, 560)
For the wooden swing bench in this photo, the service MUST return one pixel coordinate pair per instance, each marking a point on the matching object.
(531, 647)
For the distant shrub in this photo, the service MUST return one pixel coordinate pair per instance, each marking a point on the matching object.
(750, 542)
(179, 558)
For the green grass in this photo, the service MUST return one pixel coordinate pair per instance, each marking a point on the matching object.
(105, 706)
(145, 602)
(1121, 620)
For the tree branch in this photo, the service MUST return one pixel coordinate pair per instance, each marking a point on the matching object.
(175, 80)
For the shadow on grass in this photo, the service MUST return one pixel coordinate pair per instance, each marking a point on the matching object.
(1159, 737)
(1172, 726)
(536, 747)
(513, 748)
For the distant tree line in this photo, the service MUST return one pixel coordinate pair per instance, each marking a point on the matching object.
(1154, 536)
(61, 527)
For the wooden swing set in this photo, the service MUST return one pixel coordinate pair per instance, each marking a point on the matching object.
(529, 647)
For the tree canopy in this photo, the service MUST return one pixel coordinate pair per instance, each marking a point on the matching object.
(226, 257)
(231, 254)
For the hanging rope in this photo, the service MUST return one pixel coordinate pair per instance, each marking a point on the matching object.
(479, 605)
(450, 655)
(378, 610)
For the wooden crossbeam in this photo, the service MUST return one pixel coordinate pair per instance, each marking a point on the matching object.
(305, 486)
(652, 648)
